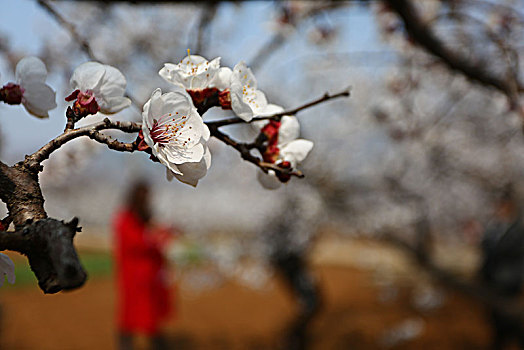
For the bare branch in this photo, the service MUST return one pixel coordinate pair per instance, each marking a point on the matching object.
(112, 143)
(428, 40)
(245, 152)
(82, 42)
(324, 98)
(278, 39)
(33, 161)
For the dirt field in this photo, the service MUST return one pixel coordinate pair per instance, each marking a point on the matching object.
(356, 315)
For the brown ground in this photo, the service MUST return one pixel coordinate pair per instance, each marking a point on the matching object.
(234, 317)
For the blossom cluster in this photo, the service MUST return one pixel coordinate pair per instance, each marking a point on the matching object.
(173, 130)
(235, 89)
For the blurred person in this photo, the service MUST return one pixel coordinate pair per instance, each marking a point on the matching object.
(502, 267)
(143, 290)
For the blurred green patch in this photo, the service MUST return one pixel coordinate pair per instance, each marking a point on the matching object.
(97, 265)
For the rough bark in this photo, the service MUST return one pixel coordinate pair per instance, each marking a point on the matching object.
(47, 243)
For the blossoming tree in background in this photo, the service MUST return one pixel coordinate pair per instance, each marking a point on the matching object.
(172, 131)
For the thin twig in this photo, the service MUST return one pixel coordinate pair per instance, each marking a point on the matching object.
(112, 143)
(82, 42)
(278, 39)
(326, 97)
(245, 153)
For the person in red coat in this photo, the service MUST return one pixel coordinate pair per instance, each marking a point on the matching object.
(143, 292)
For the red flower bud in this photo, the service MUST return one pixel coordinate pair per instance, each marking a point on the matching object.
(11, 94)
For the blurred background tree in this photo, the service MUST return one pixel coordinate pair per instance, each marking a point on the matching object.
(418, 157)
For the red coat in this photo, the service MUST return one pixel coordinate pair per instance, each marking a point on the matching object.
(143, 294)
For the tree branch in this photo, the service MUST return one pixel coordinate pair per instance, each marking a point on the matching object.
(48, 243)
(34, 160)
(245, 152)
(504, 306)
(428, 40)
(112, 143)
(324, 98)
(82, 42)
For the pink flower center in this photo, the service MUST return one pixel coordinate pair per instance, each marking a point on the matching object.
(85, 102)
(270, 131)
(168, 129)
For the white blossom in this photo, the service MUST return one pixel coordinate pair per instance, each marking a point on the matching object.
(102, 84)
(193, 72)
(7, 268)
(222, 79)
(37, 97)
(291, 151)
(246, 101)
(177, 135)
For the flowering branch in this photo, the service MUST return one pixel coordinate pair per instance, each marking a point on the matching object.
(326, 97)
(172, 132)
(245, 152)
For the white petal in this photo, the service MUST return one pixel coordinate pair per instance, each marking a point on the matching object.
(296, 151)
(7, 268)
(147, 115)
(147, 135)
(258, 125)
(193, 72)
(168, 72)
(114, 82)
(205, 132)
(114, 105)
(160, 154)
(269, 180)
(87, 75)
(179, 155)
(176, 101)
(270, 109)
(289, 130)
(244, 75)
(30, 69)
(193, 172)
(258, 103)
(241, 109)
(110, 90)
(222, 79)
(242, 80)
(38, 99)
